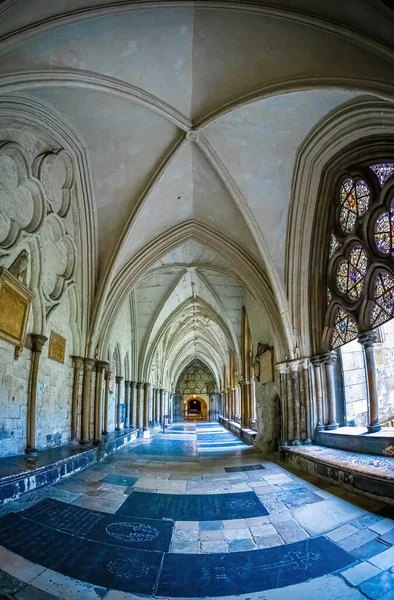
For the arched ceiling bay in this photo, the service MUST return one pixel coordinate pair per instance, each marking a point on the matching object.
(191, 112)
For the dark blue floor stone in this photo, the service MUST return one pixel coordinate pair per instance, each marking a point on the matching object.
(247, 572)
(253, 468)
(216, 437)
(370, 549)
(193, 507)
(125, 569)
(299, 497)
(186, 449)
(101, 527)
(119, 480)
(219, 444)
(378, 586)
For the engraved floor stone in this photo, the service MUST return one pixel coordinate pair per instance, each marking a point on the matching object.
(331, 513)
(188, 507)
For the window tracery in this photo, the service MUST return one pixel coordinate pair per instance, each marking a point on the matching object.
(360, 286)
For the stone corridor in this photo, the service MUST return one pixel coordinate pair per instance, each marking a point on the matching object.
(194, 513)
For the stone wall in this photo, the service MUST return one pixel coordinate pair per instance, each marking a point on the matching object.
(268, 416)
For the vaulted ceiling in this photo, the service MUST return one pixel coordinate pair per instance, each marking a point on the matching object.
(193, 112)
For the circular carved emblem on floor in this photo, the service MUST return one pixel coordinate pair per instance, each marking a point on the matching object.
(128, 568)
(132, 532)
(240, 504)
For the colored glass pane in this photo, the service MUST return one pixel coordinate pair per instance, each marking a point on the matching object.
(384, 231)
(383, 172)
(334, 245)
(383, 307)
(329, 296)
(351, 273)
(355, 196)
(345, 328)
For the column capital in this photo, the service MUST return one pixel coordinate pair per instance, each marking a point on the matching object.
(77, 360)
(329, 358)
(368, 338)
(317, 360)
(127, 383)
(119, 379)
(108, 374)
(101, 365)
(133, 384)
(37, 341)
(147, 385)
(88, 363)
(140, 385)
(282, 367)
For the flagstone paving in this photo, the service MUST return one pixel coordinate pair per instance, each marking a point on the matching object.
(312, 540)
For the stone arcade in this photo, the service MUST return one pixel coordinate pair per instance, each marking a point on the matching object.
(196, 299)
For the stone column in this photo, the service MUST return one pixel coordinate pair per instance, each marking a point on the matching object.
(118, 380)
(37, 343)
(307, 397)
(157, 406)
(282, 368)
(290, 405)
(161, 411)
(329, 361)
(107, 378)
(145, 423)
(100, 366)
(245, 404)
(140, 402)
(295, 393)
(78, 366)
(233, 403)
(127, 385)
(133, 404)
(88, 364)
(316, 362)
(367, 340)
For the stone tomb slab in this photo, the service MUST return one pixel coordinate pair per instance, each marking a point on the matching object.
(125, 569)
(244, 469)
(326, 515)
(299, 497)
(101, 527)
(248, 572)
(179, 448)
(119, 480)
(193, 507)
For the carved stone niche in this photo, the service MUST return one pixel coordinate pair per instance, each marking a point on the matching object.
(264, 364)
(15, 302)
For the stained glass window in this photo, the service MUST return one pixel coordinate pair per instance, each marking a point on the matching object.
(384, 231)
(329, 296)
(334, 245)
(383, 172)
(383, 307)
(345, 328)
(351, 272)
(355, 197)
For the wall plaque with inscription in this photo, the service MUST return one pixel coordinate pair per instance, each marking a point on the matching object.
(15, 301)
(57, 347)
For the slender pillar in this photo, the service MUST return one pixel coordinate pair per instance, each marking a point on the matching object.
(37, 342)
(140, 402)
(282, 368)
(107, 378)
(295, 392)
(88, 364)
(145, 424)
(78, 366)
(245, 405)
(316, 362)
(156, 410)
(127, 385)
(233, 403)
(133, 404)
(161, 412)
(367, 340)
(307, 396)
(118, 380)
(100, 366)
(290, 406)
(329, 361)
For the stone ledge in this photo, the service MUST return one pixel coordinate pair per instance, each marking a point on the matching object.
(246, 435)
(22, 476)
(358, 439)
(361, 473)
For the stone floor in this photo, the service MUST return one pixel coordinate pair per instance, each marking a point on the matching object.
(262, 532)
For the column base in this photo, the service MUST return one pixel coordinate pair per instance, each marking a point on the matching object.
(84, 442)
(374, 428)
(104, 432)
(307, 442)
(332, 426)
(146, 433)
(97, 442)
(118, 429)
(32, 453)
(140, 432)
(320, 427)
(296, 443)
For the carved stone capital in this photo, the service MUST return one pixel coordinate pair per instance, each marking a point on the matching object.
(317, 360)
(329, 358)
(88, 363)
(282, 367)
(119, 379)
(37, 342)
(140, 385)
(368, 339)
(147, 385)
(108, 374)
(101, 365)
(127, 383)
(78, 361)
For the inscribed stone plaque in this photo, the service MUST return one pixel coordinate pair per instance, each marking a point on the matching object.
(15, 299)
(57, 347)
(266, 367)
